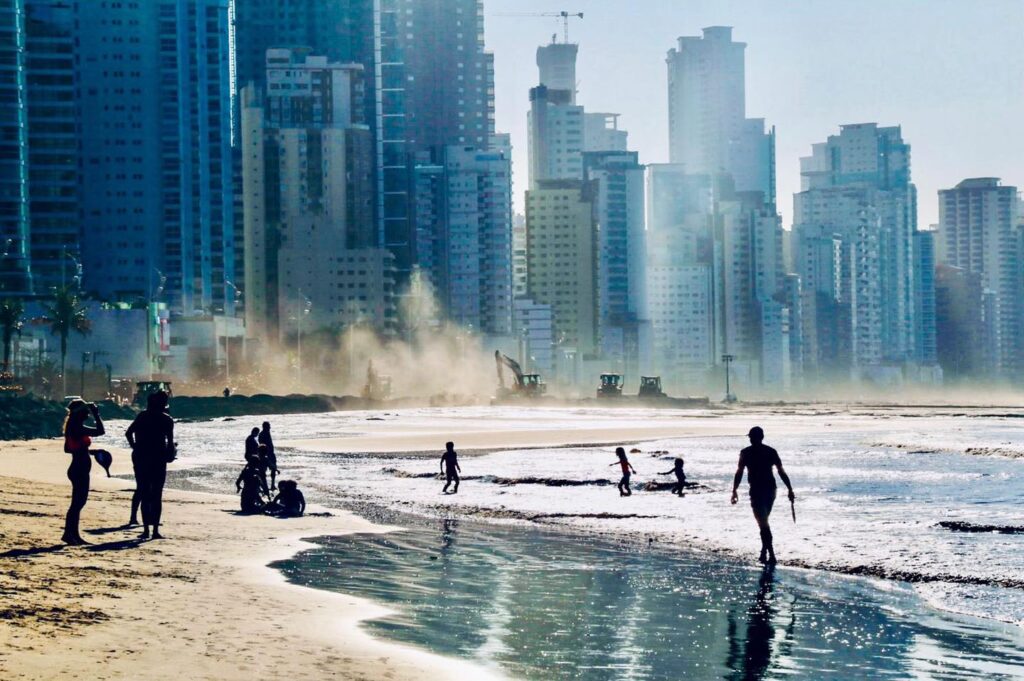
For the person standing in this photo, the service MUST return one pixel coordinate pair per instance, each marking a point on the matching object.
(627, 468)
(450, 467)
(77, 440)
(151, 437)
(252, 445)
(759, 459)
(264, 438)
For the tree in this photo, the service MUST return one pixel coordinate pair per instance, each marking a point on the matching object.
(65, 313)
(11, 311)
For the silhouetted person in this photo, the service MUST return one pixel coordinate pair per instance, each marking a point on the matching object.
(677, 468)
(227, 393)
(627, 468)
(252, 445)
(759, 459)
(450, 467)
(289, 502)
(271, 457)
(151, 437)
(253, 487)
(77, 440)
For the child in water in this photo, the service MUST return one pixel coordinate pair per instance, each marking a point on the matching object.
(627, 467)
(289, 502)
(680, 477)
(450, 467)
(253, 487)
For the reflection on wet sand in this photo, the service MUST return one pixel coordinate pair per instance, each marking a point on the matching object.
(552, 605)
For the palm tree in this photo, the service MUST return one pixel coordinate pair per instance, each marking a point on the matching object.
(11, 311)
(66, 314)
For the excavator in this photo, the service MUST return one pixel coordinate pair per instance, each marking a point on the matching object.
(378, 386)
(526, 385)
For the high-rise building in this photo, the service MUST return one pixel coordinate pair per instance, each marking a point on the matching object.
(464, 233)
(855, 221)
(715, 205)
(430, 79)
(979, 233)
(555, 135)
(310, 238)
(562, 259)
(966, 344)
(156, 182)
(53, 142)
(618, 179)
(601, 132)
(15, 268)
(708, 129)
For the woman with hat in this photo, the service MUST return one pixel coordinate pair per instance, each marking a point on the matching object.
(77, 440)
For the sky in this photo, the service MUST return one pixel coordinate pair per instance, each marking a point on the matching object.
(951, 73)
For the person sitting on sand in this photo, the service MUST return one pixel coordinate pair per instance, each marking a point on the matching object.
(289, 502)
(264, 439)
(680, 477)
(450, 467)
(759, 459)
(253, 487)
(77, 440)
(627, 467)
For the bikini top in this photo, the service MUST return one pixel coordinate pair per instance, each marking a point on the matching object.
(76, 443)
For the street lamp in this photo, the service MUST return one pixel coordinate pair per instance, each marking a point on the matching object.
(227, 339)
(728, 359)
(307, 305)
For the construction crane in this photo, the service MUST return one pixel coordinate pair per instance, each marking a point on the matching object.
(563, 15)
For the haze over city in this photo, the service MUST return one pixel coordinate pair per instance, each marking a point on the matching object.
(500, 339)
(949, 72)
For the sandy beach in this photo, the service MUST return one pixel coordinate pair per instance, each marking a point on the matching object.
(201, 604)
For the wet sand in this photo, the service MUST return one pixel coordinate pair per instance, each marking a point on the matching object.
(201, 604)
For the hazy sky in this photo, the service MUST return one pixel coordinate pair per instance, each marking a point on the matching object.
(950, 72)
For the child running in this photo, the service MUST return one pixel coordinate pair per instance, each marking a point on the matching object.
(450, 467)
(677, 488)
(627, 468)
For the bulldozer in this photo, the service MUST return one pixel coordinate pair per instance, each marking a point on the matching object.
(525, 385)
(611, 385)
(650, 386)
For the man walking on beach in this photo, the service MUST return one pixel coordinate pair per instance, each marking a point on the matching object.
(759, 459)
(252, 445)
(151, 437)
(450, 467)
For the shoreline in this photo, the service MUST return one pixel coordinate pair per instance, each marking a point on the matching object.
(206, 595)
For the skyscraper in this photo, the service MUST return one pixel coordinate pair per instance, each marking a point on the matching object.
(562, 259)
(53, 136)
(855, 220)
(310, 239)
(714, 204)
(15, 269)
(430, 78)
(464, 231)
(618, 179)
(708, 129)
(156, 192)
(979, 234)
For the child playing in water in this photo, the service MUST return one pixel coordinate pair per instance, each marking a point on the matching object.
(627, 467)
(680, 477)
(450, 467)
(253, 487)
(289, 502)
